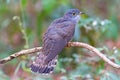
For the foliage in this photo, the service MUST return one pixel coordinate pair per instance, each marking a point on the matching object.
(23, 22)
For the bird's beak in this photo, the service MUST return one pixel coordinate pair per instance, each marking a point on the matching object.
(81, 13)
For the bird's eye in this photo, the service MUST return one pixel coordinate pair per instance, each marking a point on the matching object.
(74, 13)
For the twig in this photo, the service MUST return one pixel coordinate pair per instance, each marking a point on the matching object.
(78, 44)
(70, 44)
(20, 53)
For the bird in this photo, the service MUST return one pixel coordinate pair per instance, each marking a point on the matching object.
(55, 38)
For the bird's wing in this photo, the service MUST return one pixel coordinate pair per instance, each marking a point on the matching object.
(56, 38)
(53, 46)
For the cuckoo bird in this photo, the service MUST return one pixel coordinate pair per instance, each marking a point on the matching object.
(56, 37)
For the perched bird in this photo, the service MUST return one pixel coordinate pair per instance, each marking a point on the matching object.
(56, 37)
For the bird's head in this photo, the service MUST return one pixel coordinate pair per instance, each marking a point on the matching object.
(73, 14)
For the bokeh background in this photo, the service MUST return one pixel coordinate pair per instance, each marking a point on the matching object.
(23, 22)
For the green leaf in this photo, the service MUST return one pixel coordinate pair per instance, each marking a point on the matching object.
(49, 5)
(112, 31)
(23, 3)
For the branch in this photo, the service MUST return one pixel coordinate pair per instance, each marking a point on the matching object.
(20, 53)
(70, 44)
(93, 49)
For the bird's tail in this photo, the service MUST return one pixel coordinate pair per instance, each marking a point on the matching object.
(39, 65)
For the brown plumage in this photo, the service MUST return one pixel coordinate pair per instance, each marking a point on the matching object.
(58, 34)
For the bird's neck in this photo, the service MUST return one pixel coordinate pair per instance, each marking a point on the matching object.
(75, 21)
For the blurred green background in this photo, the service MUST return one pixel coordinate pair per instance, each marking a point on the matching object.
(23, 22)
